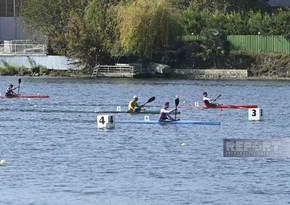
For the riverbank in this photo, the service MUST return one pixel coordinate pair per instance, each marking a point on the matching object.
(190, 74)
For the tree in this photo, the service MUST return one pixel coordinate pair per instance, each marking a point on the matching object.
(147, 25)
(226, 6)
(49, 18)
(215, 46)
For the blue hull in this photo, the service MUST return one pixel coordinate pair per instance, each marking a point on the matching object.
(169, 122)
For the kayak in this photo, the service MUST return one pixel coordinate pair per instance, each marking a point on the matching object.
(25, 96)
(130, 112)
(234, 106)
(88, 111)
(168, 122)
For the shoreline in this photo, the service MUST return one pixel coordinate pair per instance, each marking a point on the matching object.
(188, 75)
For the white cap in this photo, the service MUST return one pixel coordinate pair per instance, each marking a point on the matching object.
(135, 97)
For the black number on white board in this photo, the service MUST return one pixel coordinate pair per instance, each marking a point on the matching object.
(102, 120)
(111, 119)
(254, 113)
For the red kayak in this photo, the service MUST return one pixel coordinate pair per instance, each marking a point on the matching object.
(25, 96)
(234, 106)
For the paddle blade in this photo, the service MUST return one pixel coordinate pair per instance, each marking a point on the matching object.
(19, 81)
(151, 99)
(176, 102)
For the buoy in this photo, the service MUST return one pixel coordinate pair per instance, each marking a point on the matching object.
(3, 162)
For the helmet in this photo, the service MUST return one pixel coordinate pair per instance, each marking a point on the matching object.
(204, 93)
(135, 97)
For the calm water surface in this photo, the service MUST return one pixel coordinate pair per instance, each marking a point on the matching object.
(56, 155)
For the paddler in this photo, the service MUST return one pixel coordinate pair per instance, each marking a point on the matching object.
(207, 101)
(10, 91)
(164, 113)
(133, 106)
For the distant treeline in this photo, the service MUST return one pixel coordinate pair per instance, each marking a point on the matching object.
(104, 32)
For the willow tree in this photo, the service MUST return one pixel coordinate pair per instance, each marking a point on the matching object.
(145, 26)
(101, 17)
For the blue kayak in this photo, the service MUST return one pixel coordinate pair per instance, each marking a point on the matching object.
(168, 122)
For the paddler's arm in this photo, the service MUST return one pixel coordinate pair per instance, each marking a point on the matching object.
(169, 111)
(138, 107)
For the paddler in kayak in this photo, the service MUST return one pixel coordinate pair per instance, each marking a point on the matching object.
(133, 106)
(207, 101)
(164, 113)
(10, 91)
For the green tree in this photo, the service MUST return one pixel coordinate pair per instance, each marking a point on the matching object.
(215, 47)
(226, 6)
(145, 26)
(279, 23)
(49, 18)
(101, 17)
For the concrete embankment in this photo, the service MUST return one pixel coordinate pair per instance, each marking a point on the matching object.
(211, 73)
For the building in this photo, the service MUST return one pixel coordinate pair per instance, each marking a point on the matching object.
(279, 3)
(10, 27)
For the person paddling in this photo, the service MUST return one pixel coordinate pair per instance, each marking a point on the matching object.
(133, 106)
(207, 101)
(165, 114)
(10, 91)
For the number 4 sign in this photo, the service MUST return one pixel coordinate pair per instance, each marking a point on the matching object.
(106, 121)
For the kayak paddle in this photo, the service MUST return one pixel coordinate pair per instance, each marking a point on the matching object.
(150, 100)
(216, 98)
(176, 104)
(19, 81)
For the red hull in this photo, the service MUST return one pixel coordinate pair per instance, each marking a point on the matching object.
(233, 106)
(25, 96)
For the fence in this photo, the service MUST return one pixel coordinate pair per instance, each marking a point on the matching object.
(22, 47)
(119, 70)
(254, 43)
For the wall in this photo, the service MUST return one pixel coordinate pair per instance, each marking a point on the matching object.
(51, 62)
(11, 29)
(211, 73)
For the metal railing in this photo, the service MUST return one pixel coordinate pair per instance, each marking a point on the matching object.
(119, 70)
(22, 47)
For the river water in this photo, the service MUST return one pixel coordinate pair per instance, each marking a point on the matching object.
(56, 154)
